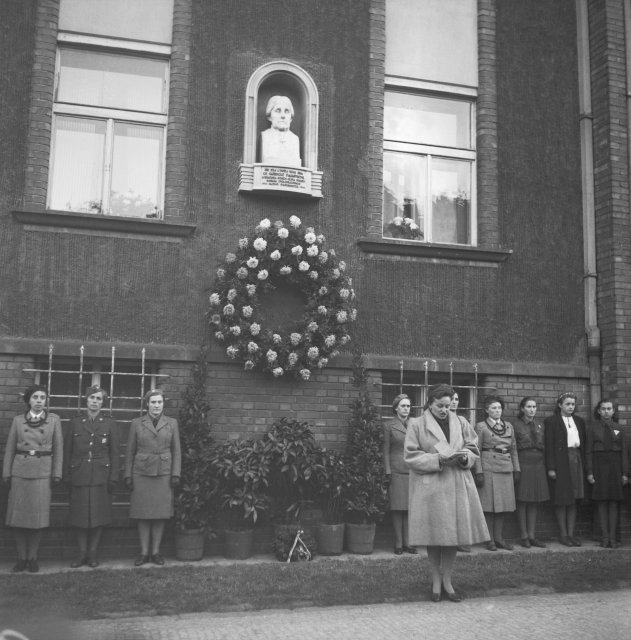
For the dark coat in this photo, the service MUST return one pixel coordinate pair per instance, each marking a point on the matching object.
(91, 451)
(557, 460)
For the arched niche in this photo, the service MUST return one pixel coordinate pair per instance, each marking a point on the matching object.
(285, 79)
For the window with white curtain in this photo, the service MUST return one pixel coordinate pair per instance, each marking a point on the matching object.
(429, 121)
(110, 109)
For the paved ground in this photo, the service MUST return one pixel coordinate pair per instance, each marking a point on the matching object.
(597, 616)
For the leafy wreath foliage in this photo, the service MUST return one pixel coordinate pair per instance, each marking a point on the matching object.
(278, 256)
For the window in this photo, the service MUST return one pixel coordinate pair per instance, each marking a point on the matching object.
(110, 110)
(429, 121)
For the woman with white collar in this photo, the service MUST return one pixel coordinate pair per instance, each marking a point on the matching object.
(564, 435)
(33, 462)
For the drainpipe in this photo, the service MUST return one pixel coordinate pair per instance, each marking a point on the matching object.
(589, 224)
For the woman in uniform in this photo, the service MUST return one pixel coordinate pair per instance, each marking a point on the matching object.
(152, 470)
(33, 461)
(91, 467)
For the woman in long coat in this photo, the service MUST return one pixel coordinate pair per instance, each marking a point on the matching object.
(496, 470)
(606, 467)
(564, 450)
(444, 508)
(33, 461)
(152, 470)
(91, 467)
(397, 472)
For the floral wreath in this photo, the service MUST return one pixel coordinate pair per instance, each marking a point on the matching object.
(277, 256)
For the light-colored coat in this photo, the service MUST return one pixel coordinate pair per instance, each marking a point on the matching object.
(153, 451)
(444, 507)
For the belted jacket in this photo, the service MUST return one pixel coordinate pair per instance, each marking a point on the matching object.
(91, 451)
(26, 443)
(498, 454)
(153, 451)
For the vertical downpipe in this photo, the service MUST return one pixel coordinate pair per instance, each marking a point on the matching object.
(589, 224)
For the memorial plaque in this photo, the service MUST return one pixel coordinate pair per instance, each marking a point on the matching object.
(276, 178)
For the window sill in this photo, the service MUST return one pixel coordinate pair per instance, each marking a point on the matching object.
(426, 250)
(70, 220)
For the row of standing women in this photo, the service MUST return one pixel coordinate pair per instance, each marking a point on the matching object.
(513, 467)
(40, 454)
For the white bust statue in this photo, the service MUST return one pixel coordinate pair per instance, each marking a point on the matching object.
(279, 145)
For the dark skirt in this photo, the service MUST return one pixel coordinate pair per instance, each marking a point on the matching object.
(607, 476)
(399, 491)
(576, 472)
(533, 482)
(90, 506)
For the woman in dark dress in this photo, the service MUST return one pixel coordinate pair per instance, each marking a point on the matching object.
(91, 466)
(605, 468)
(564, 439)
(397, 472)
(532, 488)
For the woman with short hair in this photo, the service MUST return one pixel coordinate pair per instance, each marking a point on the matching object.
(91, 467)
(152, 471)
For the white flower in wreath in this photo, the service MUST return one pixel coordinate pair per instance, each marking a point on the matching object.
(342, 265)
(247, 311)
(235, 330)
(264, 224)
(230, 257)
(294, 221)
(322, 362)
(295, 338)
(303, 266)
(276, 339)
(243, 243)
(215, 319)
(242, 273)
(312, 326)
(262, 274)
(251, 289)
(252, 347)
(323, 257)
(228, 310)
(221, 273)
(313, 352)
(313, 275)
(275, 255)
(310, 237)
(219, 335)
(334, 353)
(283, 233)
(255, 329)
(322, 291)
(278, 371)
(248, 365)
(297, 250)
(305, 374)
(232, 294)
(285, 271)
(232, 352)
(344, 294)
(292, 358)
(321, 239)
(214, 299)
(271, 356)
(252, 263)
(335, 274)
(322, 310)
(353, 314)
(259, 244)
(342, 316)
(312, 250)
(329, 341)
(344, 339)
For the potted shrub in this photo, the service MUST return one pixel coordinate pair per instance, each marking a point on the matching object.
(332, 478)
(242, 470)
(294, 463)
(193, 498)
(366, 498)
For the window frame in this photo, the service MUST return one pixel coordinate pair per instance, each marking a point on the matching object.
(111, 116)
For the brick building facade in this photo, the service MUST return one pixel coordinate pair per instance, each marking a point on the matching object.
(533, 301)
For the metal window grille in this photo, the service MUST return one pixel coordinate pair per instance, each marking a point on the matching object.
(416, 386)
